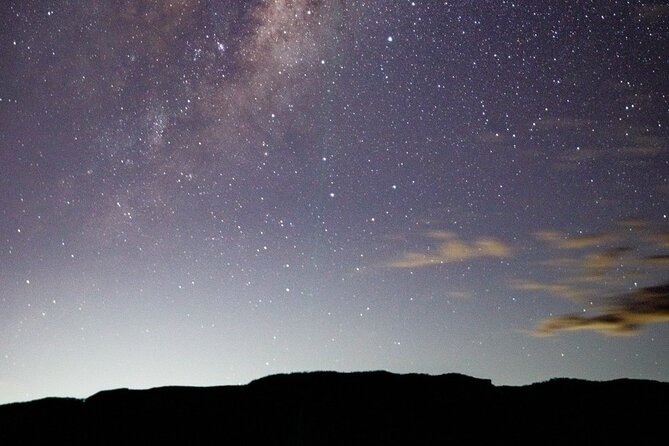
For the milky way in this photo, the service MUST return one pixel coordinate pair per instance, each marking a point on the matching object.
(202, 192)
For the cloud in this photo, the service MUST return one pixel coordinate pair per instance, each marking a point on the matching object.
(442, 235)
(450, 250)
(658, 260)
(661, 239)
(571, 160)
(414, 260)
(605, 259)
(639, 150)
(556, 289)
(561, 262)
(588, 276)
(592, 278)
(633, 223)
(458, 295)
(610, 324)
(559, 240)
(644, 147)
(599, 266)
(490, 247)
(645, 306)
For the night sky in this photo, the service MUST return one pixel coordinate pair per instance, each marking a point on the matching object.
(205, 192)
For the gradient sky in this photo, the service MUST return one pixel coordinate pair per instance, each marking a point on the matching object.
(206, 192)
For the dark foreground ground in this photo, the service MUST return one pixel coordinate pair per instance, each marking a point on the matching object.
(353, 408)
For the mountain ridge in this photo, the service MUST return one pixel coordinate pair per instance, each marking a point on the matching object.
(376, 407)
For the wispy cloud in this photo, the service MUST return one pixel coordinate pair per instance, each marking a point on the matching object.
(561, 262)
(660, 239)
(645, 306)
(605, 259)
(441, 235)
(562, 290)
(559, 240)
(640, 150)
(451, 249)
(658, 260)
(598, 270)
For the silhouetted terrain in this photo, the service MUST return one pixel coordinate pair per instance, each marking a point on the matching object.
(350, 408)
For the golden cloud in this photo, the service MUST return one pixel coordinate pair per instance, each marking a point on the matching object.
(415, 260)
(595, 268)
(661, 239)
(658, 260)
(441, 235)
(556, 289)
(561, 262)
(633, 223)
(559, 240)
(645, 306)
(605, 259)
(592, 278)
(491, 247)
(451, 250)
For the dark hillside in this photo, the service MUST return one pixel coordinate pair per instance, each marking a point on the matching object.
(349, 408)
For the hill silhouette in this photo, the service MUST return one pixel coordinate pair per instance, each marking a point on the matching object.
(349, 408)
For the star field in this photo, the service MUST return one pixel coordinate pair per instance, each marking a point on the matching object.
(202, 193)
